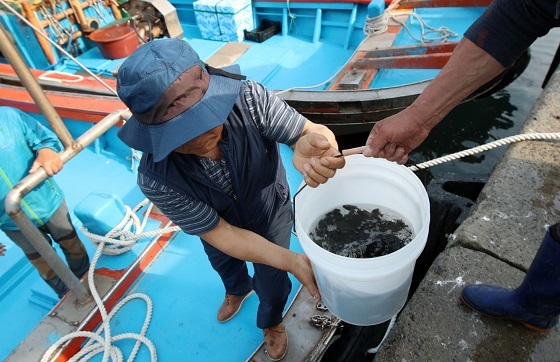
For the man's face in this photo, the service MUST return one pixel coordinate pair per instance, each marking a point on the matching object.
(203, 144)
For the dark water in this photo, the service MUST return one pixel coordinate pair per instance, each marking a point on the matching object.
(362, 232)
(484, 120)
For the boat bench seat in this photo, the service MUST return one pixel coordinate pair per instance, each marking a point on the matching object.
(316, 11)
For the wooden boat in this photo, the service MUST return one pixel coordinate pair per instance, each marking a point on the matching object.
(334, 61)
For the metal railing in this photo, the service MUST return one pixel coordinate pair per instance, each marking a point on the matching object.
(71, 148)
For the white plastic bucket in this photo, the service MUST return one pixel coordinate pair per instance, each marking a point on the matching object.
(365, 291)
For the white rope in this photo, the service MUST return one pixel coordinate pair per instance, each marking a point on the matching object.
(391, 324)
(442, 33)
(135, 156)
(123, 236)
(376, 25)
(292, 17)
(117, 241)
(486, 147)
(379, 24)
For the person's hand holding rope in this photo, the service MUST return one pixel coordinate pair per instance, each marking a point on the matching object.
(395, 137)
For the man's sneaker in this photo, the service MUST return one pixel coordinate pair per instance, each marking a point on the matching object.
(231, 305)
(276, 342)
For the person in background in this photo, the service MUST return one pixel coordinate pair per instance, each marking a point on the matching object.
(25, 146)
(211, 163)
(505, 30)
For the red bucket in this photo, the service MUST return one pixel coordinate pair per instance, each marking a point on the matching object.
(118, 41)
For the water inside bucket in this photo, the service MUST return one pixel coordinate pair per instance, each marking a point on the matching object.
(363, 231)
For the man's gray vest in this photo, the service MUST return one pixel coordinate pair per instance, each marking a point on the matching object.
(260, 186)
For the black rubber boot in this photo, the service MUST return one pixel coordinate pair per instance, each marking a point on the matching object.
(58, 286)
(78, 266)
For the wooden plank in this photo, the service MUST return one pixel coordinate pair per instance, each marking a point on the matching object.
(428, 61)
(410, 50)
(337, 84)
(412, 4)
(371, 43)
(227, 54)
(74, 106)
(66, 79)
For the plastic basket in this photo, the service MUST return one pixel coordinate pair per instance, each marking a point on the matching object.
(267, 29)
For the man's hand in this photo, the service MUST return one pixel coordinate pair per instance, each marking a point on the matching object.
(49, 160)
(247, 245)
(304, 273)
(2, 249)
(316, 159)
(395, 137)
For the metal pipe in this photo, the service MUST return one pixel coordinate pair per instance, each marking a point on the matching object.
(30, 15)
(115, 9)
(65, 13)
(10, 52)
(14, 197)
(80, 16)
(31, 233)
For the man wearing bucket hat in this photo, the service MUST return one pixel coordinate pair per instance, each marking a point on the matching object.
(492, 43)
(211, 164)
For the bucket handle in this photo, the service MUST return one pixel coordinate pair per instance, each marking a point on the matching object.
(294, 216)
(342, 154)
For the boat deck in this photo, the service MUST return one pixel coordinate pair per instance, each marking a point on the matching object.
(173, 271)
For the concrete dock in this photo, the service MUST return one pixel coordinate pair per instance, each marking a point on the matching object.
(494, 245)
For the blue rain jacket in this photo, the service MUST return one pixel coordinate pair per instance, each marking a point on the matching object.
(21, 136)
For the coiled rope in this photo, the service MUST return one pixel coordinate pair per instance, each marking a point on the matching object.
(117, 241)
(379, 24)
(486, 147)
(376, 25)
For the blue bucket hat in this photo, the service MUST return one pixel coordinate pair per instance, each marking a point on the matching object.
(173, 96)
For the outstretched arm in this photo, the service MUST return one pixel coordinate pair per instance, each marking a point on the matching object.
(247, 245)
(494, 41)
(468, 68)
